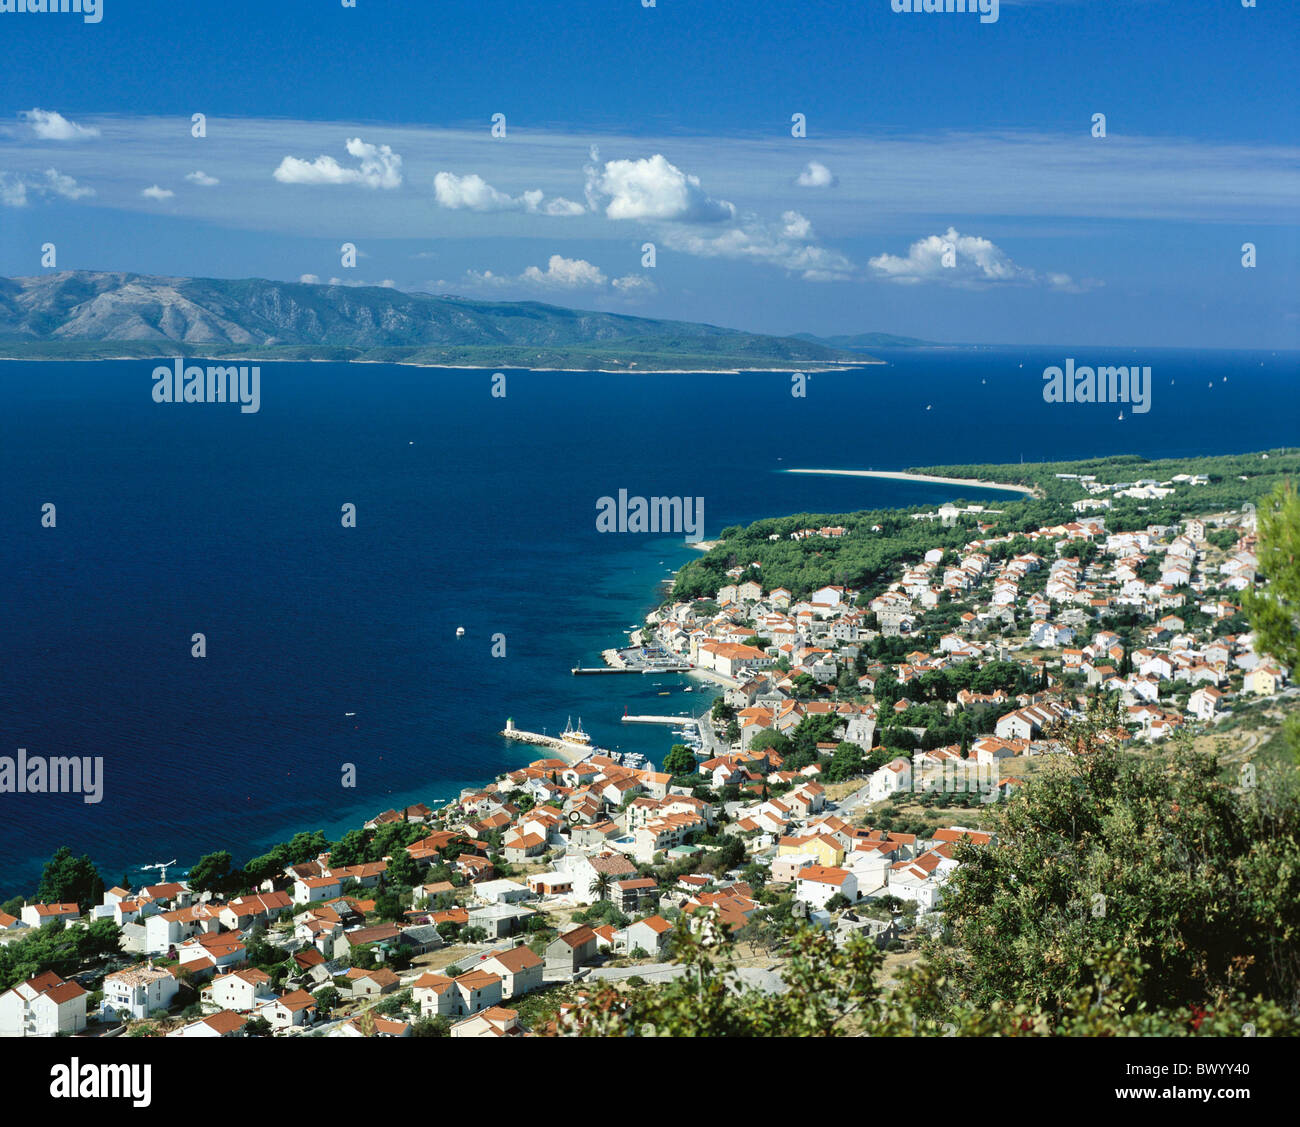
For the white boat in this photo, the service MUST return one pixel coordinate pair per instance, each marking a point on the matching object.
(460, 631)
(574, 735)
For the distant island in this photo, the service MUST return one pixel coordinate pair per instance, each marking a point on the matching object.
(98, 315)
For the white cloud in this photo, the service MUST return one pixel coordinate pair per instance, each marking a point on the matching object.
(560, 274)
(816, 175)
(154, 192)
(202, 179)
(310, 279)
(14, 189)
(473, 193)
(379, 167)
(789, 245)
(51, 126)
(651, 188)
(635, 285)
(965, 261)
(565, 273)
(66, 186)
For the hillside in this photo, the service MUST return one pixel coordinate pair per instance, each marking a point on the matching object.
(90, 314)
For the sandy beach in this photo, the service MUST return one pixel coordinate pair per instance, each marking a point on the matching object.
(898, 475)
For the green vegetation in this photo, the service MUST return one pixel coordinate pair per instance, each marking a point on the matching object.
(864, 558)
(1128, 896)
(57, 948)
(68, 879)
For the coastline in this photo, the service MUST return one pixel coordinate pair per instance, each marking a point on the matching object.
(812, 365)
(900, 475)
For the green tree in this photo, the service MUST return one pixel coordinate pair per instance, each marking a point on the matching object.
(846, 763)
(67, 879)
(1274, 610)
(327, 1000)
(679, 760)
(432, 1027)
(1150, 860)
(771, 740)
(210, 872)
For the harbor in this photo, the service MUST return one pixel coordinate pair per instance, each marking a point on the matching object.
(635, 659)
(571, 751)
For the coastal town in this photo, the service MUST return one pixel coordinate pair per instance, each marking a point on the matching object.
(854, 746)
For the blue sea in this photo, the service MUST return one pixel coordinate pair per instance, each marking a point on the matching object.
(472, 511)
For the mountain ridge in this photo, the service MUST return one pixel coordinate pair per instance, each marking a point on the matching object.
(83, 314)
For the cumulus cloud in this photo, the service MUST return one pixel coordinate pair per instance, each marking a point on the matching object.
(66, 186)
(154, 192)
(790, 245)
(968, 262)
(202, 179)
(634, 285)
(651, 188)
(473, 193)
(560, 274)
(50, 126)
(310, 279)
(14, 189)
(816, 175)
(565, 273)
(378, 167)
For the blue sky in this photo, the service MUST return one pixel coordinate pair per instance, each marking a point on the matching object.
(671, 125)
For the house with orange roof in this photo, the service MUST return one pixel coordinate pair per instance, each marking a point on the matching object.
(290, 1011)
(242, 990)
(519, 969)
(650, 935)
(496, 1021)
(570, 950)
(44, 1006)
(372, 983)
(42, 915)
(309, 890)
(223, 1024)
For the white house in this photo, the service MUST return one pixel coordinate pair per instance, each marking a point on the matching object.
(138, 991)
(519, 969)
(651, 935)
(1204, 703)
(43, 1007)
(242, 990)
(815, 885)
(290, 1011)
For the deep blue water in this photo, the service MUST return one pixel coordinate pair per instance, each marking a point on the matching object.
(472, 511)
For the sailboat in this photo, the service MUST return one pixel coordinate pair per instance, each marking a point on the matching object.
(574, 735)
